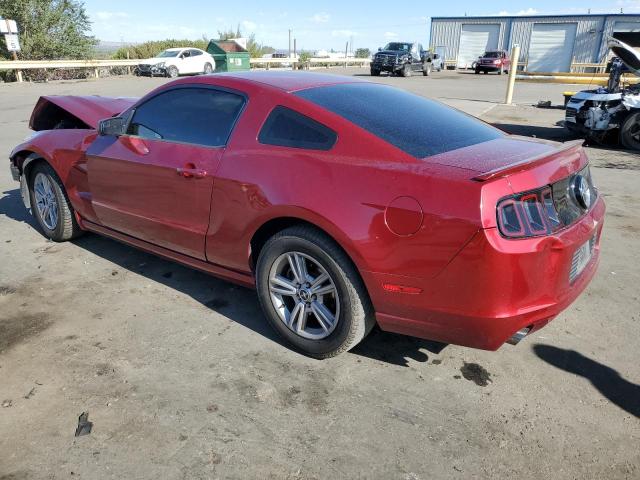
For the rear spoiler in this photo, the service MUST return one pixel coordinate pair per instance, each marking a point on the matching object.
(527, 164)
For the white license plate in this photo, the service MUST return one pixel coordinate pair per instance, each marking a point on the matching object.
(581, 258)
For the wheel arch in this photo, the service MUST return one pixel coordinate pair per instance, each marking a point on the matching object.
(25, 160)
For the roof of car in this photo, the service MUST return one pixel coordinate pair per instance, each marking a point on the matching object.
(291, 81)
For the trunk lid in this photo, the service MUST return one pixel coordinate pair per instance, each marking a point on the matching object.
(506, 156)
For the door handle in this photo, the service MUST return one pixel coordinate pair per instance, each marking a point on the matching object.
(191, 172)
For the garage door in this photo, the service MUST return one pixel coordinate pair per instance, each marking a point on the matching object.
(475, 40)
(626, 27)
(551, 47)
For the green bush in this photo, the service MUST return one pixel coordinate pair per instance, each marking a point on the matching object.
(151, 49)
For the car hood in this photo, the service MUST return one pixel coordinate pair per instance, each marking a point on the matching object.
(626, 46)
(393, 52)
(154, 60)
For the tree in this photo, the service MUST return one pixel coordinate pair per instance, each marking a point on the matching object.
(363, 53)
(49, 29)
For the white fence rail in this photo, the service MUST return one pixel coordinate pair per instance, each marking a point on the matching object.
(20, 65)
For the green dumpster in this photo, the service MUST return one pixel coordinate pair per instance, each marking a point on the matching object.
(228, 55)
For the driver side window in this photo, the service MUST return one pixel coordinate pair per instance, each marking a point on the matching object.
(200, 116)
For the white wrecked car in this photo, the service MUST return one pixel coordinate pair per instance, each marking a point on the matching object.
(598, 114)
(177, 61)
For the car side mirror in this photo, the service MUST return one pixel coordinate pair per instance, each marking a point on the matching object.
(112, 126)
(379, 49)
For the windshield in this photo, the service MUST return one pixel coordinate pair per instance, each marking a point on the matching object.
(398, 47)
(491, 54)
(168, 53)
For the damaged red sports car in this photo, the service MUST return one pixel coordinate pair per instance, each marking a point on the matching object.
(345, 203)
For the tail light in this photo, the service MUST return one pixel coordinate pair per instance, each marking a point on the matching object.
(528, 214)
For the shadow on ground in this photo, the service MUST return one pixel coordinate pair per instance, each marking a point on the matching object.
(606, 380)
(396, 349)
(237, 303)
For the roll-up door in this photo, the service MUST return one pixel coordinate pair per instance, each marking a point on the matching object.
(551, 47)
(475, 39)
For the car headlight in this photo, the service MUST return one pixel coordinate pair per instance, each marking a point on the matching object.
(401, 58)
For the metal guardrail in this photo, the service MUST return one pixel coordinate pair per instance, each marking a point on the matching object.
(268, 62)
(20, 65)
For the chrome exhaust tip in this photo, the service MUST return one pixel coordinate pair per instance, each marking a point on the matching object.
(518, 336)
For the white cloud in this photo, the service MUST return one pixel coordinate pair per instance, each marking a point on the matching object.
(104, 16)
(321, 17)
(249, 25)
(390, 35)
(343, 33)
(521, 13)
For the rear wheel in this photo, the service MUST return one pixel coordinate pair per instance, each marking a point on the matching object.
(50, 205)
(630, 132)
(311, 293)
(207, 68)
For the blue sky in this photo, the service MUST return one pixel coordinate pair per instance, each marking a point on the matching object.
(320, 24)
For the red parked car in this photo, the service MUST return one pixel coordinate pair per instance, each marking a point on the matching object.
(345, 203)
(493, 61)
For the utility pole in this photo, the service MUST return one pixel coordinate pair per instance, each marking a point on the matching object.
(289, 43)
(295, 53)
(346, 51)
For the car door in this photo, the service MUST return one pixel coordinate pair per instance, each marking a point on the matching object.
(197, 60)
(154, 182)
(185, 62)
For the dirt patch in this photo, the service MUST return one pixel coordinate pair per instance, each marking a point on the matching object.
(476, 374)
(18, 328)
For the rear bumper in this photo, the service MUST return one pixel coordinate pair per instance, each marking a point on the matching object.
(492, 288)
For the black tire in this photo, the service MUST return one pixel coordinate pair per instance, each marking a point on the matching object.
(66, 226)
(356, 317)
(477, 71)
(406, 70)
(426, 69)
(375, 72)
(173, 72)
(500, 72)
(207, 68)
(630, 132)
(485, 72)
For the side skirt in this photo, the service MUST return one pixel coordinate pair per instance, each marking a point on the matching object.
(240, 278)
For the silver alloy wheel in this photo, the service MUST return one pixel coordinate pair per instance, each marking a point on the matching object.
(304, 295)
(46, 201)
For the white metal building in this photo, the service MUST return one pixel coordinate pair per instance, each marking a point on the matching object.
(548, 43)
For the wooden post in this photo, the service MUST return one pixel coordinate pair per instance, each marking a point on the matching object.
(95, 70)
(346, 52)
(18, 72)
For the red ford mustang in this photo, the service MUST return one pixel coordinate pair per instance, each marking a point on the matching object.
(345, 203)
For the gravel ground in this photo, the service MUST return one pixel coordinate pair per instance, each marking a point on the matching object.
(182, 378)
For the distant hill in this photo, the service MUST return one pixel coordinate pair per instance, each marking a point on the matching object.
(105, 49)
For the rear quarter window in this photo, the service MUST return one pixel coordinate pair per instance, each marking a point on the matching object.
(287, 128)
(416, 125)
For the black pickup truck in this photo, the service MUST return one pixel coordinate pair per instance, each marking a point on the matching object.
(403, 58)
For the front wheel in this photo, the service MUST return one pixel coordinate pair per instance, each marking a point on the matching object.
(426, 69)
(406, 70)
(375, 72)
(630, 132)
(173, 72)
(311, 293)
(50, 205)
